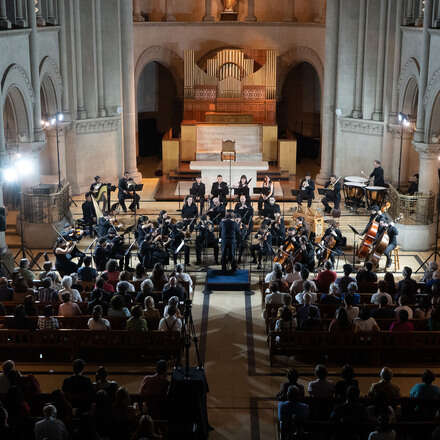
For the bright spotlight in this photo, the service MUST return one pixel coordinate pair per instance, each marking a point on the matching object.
(25, 167)
(60, 117)
(400, 117)
(9, 175)
(53, 121)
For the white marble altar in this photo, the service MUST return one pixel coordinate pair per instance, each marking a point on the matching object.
(247, 137)
(210, 170)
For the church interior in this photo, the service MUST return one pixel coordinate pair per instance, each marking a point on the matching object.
(219, 219)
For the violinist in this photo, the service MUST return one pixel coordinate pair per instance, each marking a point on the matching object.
(267, 191)
(220, 189)
(177, 238)
(144, 229)
(333, 194)
(291, 239)
(244, 210)
(101, 254)
(164, 222)
(307, 254)
(205, 239)
(332, 242)
(216, 211)
(74, 236)
(271, 209)
(278, 230)
(387, 227)
(306, 190)
(154, 250)
(264, 245)
(198, 192)
(302, 227)
(117, 249)
(63, 257)
(242, 189)
(189, 212)
(125, 193)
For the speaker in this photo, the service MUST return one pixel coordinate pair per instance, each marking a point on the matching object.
(2, 219)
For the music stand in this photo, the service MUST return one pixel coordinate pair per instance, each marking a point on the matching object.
(228, 153)
(355, 232)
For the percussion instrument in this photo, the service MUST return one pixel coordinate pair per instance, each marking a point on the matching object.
(375, 195)
(354, 193)
(357, 179)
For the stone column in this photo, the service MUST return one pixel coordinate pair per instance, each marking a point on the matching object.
(437, 15)
(99, 66)
(4, 22)
(380, 66)
(428, 161)
(329, 96)
(420, 14)
(290, 11)
(128, 88)
(409, 15)
(81, 110)
(208, 11)
(51, 19)
(19, 15)
(320, 18)
(359, 84)
(65, 104)
(137, 13)
(396, 66)
(168, 16)
(3, 246)
(35, 71)
(40, 19)
(419, 135)
(251, 11)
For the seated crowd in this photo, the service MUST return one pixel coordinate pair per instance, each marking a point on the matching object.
(145, 302)
(295, 301)
(351, 416)
(82, 409)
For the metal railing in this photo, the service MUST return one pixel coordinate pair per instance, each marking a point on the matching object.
(417, 209)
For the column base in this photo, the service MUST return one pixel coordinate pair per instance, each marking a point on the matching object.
(323, 177)
(102, 112)
(82, 114)
(52, 21)
(41, 21)
(408, 21)
(135, 175)
(138, 18)
(419, 22)
(377, 116)
(251, 18)
(357, 114)
(169, 18)
(5, 24)
(208, 18)
(20, 23)
(416, 237)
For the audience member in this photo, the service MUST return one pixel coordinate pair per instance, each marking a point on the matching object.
(292, 380)
(97, 322)
(277, 276)
(402, 324)
(137, 323)
(25, 272)
(46, 293)
(123, 415)
(67, 288)
(275, 296)
(48, 321)
(154, 388)
(403, 305)
(308, 290)
(298, 285)
(303, 312)
(151, 314)
(426, 390)
(291, 409)
(313, 320)
(47, 267)
(117, 308)
(20, 321)
(321, 388)
(145, 429)
(87, 272)
(286, 322)
(6, 292)
(429, 272)
(172, 302)
(423, 308)
(295, 275)
(352, 290)
(139, 273)
(352, 310)
(383, 311)
(108, 287)
(112, 272)
(344, 281)
(173, 290)
(332, 297)
(365, 323)
(383, 430)
(366, 275)
(102, 383)
(158, 277)
(407, 287)
(390, 285)
(348, 380)
(30, 307)
(171, 323)
(67, 307)
(381, 285)
(50, 428)
(390, 391)
(341, 323)
(326, 277)
(434, 320)
(78, 388)
(98, 298)
(8, 368)
(146, 289)
(20, 289)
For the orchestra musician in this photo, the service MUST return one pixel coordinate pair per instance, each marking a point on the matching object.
(271, 209)
(189, 212)
(307, 257)
(229, 232)
(144, 229)
(153, 249)
(177, 238)
(302, 227)
(264, 245)
(242, 239)
(164, 222)
(414, 185)
(242, 189)
(101, 254)
(216, 211)
(387, 227)
(198, 192)
(94, 189)
(244, 210)
(220, 189)
(267, 190)
(205, 239)
(375, 215)
(63, 257)
(333, 194)
(89, 214)
(116, 248)
(278, 230)
(336, 248)
(306, 190)
(125, 193)
(377, 174)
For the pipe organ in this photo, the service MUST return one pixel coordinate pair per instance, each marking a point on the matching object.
(231, 81)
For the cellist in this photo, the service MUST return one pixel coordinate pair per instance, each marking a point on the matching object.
(333, 242)
(386, 227)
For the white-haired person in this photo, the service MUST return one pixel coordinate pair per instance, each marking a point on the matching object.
(66, 287)
(50, 427)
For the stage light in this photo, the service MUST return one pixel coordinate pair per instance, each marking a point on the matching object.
(9, 174)
(53, 121)
(406, 123)
(25, 167)
(60, 117)
(400, 117)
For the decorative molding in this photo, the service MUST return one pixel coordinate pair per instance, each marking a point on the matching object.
(410, 70)
(99, 125)
(361, 126)
(433, 86)
(427, 151)
(15, 75)
(49, 66)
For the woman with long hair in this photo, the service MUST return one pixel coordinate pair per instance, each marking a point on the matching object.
(267, 191)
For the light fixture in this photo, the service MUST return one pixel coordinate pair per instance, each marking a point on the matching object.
(9, 174)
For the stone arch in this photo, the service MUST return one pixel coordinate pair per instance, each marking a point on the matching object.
(408, 84)
(17, 88)
(432, 105)
(51, 84)
(167, 58)
(295, 56)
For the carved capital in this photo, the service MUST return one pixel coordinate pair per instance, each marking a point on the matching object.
(99, 125)
(358, 126)
(427, 151)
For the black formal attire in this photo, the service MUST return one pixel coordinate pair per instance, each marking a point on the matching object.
(198, 193)
(123, 195)
(333, 196)
(407, 287)
(205, 239)
(246, 213)
(337, 248)
(373, 217)
(229, 232)
(392, 234)
(101, 255)
(267, 192)
(189, 214)
(142, 233)
(220, 190)
(263, 248)
(378, 176)
(413, 188)
(242, 190)
(103, 227)
(79, 391)
(177, 237)
(278, 232)
(169, 291)
(308, 257)
(117, 251)
(242, 240)
(64, 265)
(89, 213)
(307, 193)
(269, 210)
(216, 213)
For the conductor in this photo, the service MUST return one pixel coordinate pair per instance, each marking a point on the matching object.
(229, 232)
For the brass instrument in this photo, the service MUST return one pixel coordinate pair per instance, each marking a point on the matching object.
(331, 187)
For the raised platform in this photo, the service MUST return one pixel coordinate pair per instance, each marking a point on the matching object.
(238, 280)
